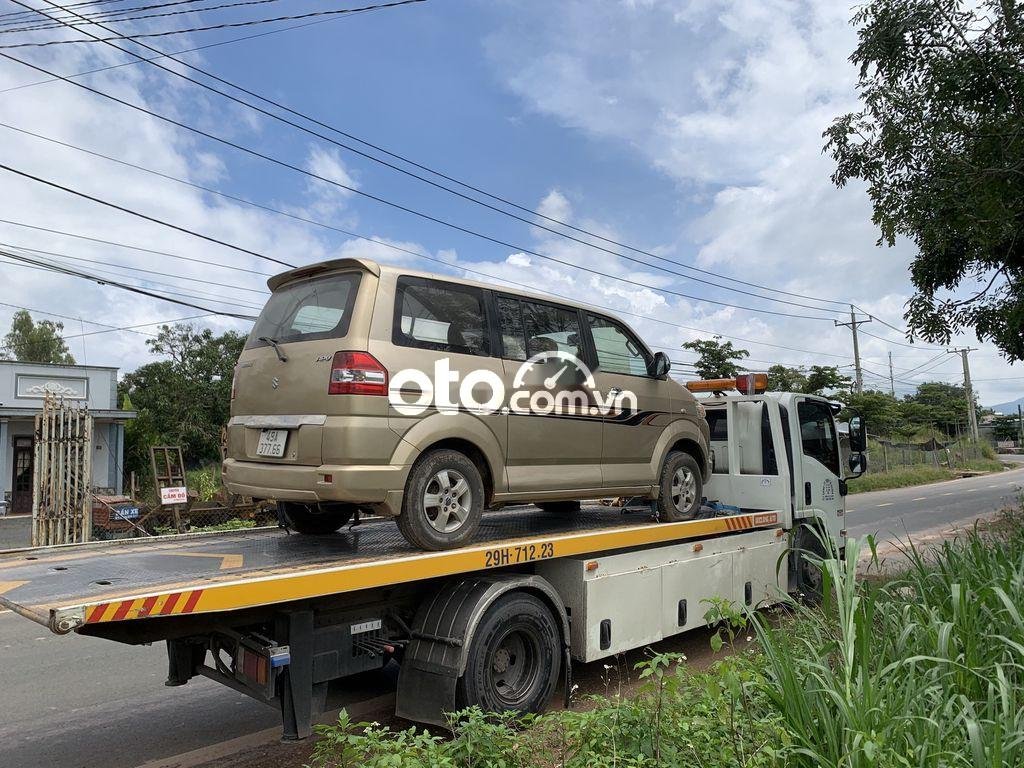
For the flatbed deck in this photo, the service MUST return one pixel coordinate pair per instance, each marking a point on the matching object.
(66, 588)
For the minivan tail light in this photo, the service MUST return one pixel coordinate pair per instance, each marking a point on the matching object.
(234, 382)
(357, 373)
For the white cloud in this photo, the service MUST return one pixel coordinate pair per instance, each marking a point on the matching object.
(729, 100)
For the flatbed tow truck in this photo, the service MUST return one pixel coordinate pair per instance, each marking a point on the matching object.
(279, 616)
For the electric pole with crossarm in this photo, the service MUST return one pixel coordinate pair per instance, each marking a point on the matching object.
(858, 383)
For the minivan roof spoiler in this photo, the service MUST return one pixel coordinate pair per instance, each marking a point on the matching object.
(334, 265)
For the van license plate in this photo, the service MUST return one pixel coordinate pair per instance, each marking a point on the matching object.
(272, 442)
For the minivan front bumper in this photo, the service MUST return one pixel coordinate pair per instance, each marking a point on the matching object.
(377, 485)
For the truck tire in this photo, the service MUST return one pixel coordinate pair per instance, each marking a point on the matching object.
(443, 501)
(810, 582)
(560, 507)
(682, 488)
(315, 519)
(514, 657)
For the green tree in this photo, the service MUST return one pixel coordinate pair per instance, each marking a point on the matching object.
(825, 378)
(33, 342)
(716, 359)
(1006, 428)
(880, 410)
(184, 399)
(940, 143)
(782, 378)
(946, 404)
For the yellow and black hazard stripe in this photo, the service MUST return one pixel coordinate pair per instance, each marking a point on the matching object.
(172, 604)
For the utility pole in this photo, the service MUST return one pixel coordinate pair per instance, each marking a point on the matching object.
(1020, 425)
(972, 416)
(892, 381)
(858, 383)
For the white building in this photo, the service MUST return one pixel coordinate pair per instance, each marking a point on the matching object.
(23, 386)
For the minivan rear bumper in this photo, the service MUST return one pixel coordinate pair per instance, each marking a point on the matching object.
(380, 485)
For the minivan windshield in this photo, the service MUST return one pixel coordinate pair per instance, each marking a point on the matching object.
(319, 308)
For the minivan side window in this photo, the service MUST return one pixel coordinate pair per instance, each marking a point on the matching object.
(445, 317)
(818, 433)
(510, 323)
(618, 351)
(551, 329)
(318, 308)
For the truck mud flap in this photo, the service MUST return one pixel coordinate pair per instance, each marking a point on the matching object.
(441, 635)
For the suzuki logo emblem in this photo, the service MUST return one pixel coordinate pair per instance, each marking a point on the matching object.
(274, 382)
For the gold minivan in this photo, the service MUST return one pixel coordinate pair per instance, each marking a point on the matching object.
(429, 398)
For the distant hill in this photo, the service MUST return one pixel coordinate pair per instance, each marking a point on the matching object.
(1008, 408)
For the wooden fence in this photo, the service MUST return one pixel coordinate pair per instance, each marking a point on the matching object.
(61, 489)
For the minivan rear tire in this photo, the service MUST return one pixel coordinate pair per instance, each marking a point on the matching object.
(443, 501)
(682, 488)
(315, 520)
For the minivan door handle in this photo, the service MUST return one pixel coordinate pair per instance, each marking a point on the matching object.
(807, 493)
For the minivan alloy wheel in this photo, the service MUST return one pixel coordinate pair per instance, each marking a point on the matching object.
(447, 501)
(684, 488)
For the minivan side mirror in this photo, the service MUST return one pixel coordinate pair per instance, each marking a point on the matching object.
(858, 434)
(660, 365)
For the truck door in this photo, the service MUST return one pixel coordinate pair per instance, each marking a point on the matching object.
(817, 466)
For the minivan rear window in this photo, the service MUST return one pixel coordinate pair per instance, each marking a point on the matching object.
(319, 308)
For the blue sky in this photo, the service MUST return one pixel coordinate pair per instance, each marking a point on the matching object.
(689, 128)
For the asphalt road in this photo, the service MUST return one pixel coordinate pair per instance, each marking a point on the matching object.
(893, 514)
(79, 701)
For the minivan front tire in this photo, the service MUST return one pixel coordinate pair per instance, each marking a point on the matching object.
(443, 501)
(682, 488)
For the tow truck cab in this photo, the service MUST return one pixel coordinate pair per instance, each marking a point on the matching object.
(782, 451)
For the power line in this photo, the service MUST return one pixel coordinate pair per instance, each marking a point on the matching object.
(33, 11)
(153, 219)
(123, 286)
(226, 25)
(133, 247)
(135, 269)
(531, 222)
(121, 14)
(383, 201)
(218, 43)
(350, 233)
(132, 328)
(197, 294)
(374, 240)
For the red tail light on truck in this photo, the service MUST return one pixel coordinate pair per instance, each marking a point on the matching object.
(357, 373)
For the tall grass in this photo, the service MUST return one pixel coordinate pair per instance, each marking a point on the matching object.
(925, 670)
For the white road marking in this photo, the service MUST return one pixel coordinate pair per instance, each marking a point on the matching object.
(994, 485)
(920, 498)
(948, 494)
(887, 504)
(970, 490)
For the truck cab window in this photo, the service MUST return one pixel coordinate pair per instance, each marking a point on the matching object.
(818, 433)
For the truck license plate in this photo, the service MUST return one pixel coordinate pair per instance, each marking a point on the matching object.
(272, 443)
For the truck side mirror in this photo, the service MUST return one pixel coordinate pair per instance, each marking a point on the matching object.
(660, 365)
(858, 434)
(858, 464)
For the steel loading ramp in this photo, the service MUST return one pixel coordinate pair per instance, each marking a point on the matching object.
(67, 587)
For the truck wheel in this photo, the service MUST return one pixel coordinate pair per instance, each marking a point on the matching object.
(514, 657)
(682, 488)
(810, 583)
(315, 519)
(560, 507)
(443, 502)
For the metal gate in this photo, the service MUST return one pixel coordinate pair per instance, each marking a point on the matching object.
(62, 479)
